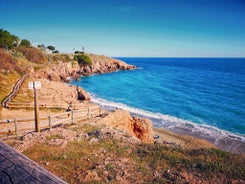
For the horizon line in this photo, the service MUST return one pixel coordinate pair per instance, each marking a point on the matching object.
(221, 57)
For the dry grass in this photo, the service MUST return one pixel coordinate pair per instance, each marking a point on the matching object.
(6, 83)
(62, 57)
(34, 55)
(107, 160)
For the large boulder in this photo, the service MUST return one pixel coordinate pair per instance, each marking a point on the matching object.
(138, 127)
(82, 94)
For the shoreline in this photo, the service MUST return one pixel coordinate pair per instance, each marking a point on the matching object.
(224, 140)
(55, 74)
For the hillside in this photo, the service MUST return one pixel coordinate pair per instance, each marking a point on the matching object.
(54, 67)
(111, 147)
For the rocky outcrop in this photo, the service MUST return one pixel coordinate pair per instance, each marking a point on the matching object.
(138, 127)
(142, 129)
(64, 71)
(82, 94)
(103, 64)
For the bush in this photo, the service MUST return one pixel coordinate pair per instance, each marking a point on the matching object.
(83, 60)
(50, 47)
(79, 52)
(56, 52)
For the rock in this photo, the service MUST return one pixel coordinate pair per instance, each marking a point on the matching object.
(142, 129)
(82, 94)
(103, 64)
(93, 140)
(138, 127)
(92, 175)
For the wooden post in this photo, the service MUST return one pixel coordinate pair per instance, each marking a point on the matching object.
(16, 127)
(49, 123)
(37, 125)
(72, 117)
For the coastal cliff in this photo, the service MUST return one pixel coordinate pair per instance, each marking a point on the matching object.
(66, 68)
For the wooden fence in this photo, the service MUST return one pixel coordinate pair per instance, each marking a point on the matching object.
(17, 105)
(22, 126)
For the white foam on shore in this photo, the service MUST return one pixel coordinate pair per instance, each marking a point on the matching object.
(212, 134)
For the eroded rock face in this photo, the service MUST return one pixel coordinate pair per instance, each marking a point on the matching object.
(64, 70)
(103, 64)
(140, 128)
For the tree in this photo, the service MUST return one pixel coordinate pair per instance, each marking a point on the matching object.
(25, 43)
(50, 47)
(78, 52)
(7, 40)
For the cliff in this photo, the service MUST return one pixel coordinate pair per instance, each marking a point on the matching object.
(65, 70)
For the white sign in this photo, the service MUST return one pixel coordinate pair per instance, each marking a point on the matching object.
(37, 85)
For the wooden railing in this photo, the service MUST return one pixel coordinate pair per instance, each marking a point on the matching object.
(20, 127)
(17, 105)
(17, 168)
(14, 91)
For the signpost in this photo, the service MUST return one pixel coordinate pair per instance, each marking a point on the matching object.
(34, 86)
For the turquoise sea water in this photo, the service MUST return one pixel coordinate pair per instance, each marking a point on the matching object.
(204, 97)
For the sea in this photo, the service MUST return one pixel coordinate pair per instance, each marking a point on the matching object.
(201, 97)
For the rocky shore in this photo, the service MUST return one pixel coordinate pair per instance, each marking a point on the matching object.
(65, 71)
(55, 91)
(115, 146)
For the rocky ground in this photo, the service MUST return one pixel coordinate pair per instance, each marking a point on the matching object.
(92, 151)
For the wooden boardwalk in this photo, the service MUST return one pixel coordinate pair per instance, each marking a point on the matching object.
(17, 168)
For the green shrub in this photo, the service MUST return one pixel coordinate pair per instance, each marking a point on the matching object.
(25, 43)
(83, 60)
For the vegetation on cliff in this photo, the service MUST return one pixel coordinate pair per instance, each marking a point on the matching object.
(83, 59)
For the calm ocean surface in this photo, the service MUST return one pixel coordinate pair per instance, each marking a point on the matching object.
(197, 96)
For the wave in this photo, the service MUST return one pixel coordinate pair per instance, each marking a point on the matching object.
(225, 140)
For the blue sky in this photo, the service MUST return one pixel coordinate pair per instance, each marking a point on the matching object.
(153, 28)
